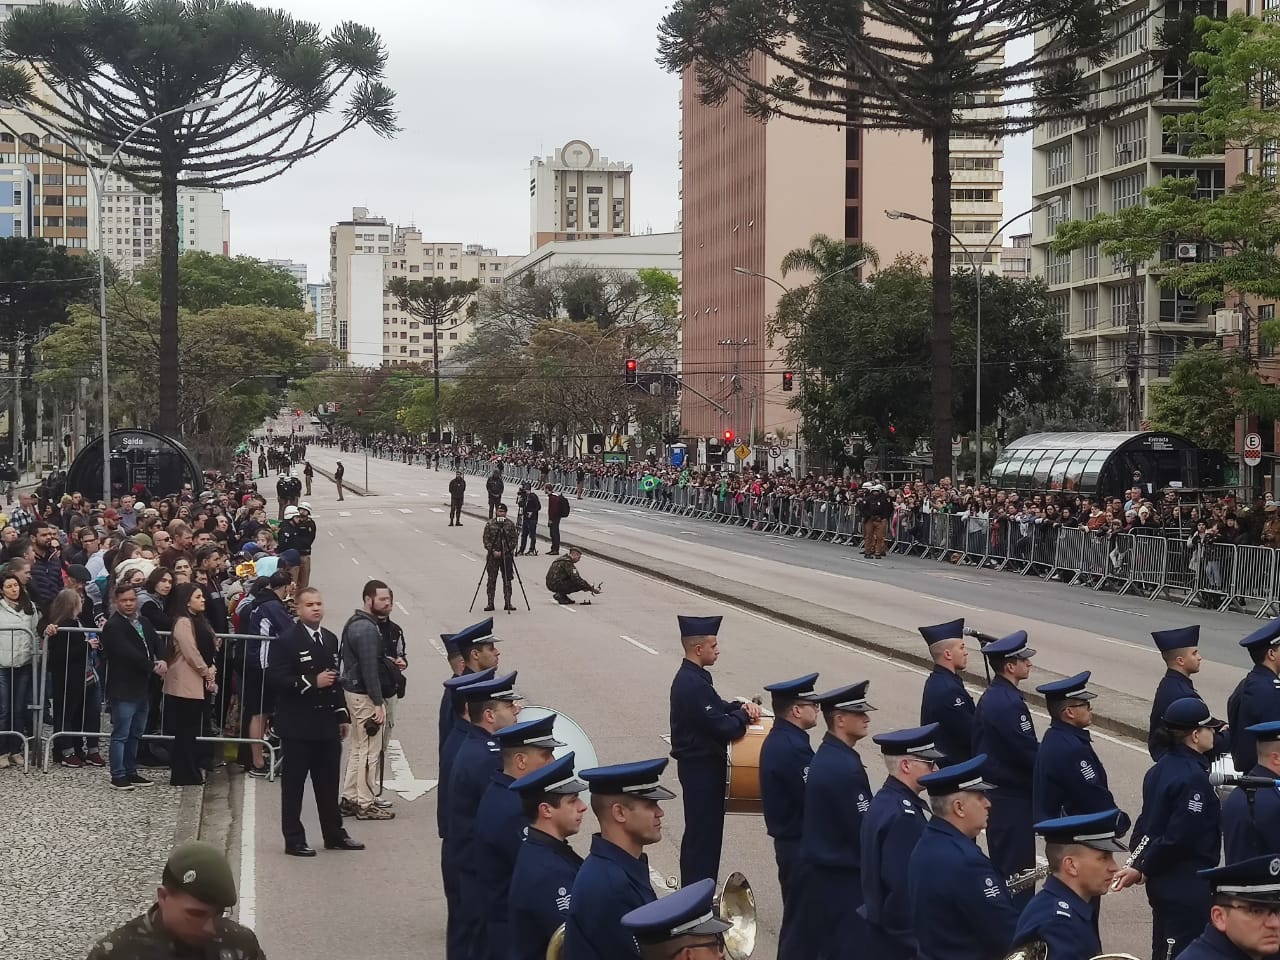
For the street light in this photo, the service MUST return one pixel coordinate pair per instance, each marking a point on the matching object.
(977, 273)
(68, 140)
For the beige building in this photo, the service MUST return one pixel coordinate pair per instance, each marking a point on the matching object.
(578, 194)
(131, 221)
(64, 202)
(1015, 258)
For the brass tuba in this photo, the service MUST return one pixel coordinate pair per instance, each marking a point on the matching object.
(555, 946)
(736, 904)
(1031, 950)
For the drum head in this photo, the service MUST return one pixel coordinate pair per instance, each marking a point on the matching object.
(573, 736)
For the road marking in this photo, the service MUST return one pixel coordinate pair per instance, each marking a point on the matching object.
(402, 780)
(344, 513)
(342, 544)
(870, 563)
(248, 895)
(637, 643)
(466, 556)
(330, 532)
(376, 513)
(950, 603)
(1102, 606)
(565, 607)
(1125, 643)
(405, 510)
(437, 509)
(441, 543)
(355, 561)
(689, 533)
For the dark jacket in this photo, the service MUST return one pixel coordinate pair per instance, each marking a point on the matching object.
(457, 489)
(46, 578)
(702, 725)
(297, 534)
(304, 710)
(361, 653)
(131, 659)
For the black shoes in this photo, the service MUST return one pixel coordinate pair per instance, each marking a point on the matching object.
(509, 606)
(488, 608)
(562, 598)
(346, 843)
(299, 850)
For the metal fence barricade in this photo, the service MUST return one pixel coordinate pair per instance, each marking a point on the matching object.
(1147, 559)
(20, 672)
(1213, 565)
(1093, 560)
(1253, 573)
(1068, 553)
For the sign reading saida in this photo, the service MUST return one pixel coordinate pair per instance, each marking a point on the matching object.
(742, 451)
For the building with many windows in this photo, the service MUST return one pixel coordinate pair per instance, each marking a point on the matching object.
(63, 201)
(578, 194)
(131, 222)
(16, 203)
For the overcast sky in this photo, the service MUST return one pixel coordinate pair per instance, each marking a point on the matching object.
(482, 88)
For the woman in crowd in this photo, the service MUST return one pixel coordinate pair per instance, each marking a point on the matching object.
(153, 600)
(73, 684)
(18, 622)
(190, 679)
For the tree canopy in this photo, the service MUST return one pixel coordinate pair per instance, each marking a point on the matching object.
(207, 280)
(1208, 389)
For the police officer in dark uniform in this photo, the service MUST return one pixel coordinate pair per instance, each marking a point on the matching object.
(614, 878)
(785, 756)
(1180, 649)
(1244, 919)
(828, 925)
(1081, 853)
(471, 650)
(1069, 776)
(1256, 699)
(501, 825)
(448, 707)
(542, 882)
(891, 827)
(946, 702)
(1003, 731)
(1180, 824)
(702, 727)
(491, 706)
(683, 925)
(1251, 814)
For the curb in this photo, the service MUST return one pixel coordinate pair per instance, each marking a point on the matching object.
(346, 484)
(190, 815)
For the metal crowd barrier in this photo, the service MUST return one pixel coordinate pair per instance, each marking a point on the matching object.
(19, 702)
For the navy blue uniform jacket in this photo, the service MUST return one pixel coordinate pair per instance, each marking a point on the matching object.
(1002, 729)
(784, 768)
(947, 703)
(1244, 836)
(610, 885)
(836, 800)
(1070, 779)
(702, 725)
(1181, 815)
(1256, 699)
(1062, 920)
(541, 891)
(892, 826)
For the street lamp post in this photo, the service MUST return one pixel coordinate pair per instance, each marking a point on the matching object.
(98, 178)
(977, 274)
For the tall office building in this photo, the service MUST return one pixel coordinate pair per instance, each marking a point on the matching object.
(131, 222)
(64, 204)
(977, 184)
(578, 194)
(1104, 167)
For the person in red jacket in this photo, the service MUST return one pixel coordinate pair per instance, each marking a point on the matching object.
(557, 510)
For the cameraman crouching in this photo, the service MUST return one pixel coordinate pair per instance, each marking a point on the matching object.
(362, 682)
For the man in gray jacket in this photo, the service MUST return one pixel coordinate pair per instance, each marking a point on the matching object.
(362, 683)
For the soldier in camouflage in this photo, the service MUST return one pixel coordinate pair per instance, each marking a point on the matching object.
(500, 541)
(563, 578)
(188, 917)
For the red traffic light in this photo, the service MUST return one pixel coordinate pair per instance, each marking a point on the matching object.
(728, 436)
(631, 365)
(298, 413)
(632, 368)
(788, 379)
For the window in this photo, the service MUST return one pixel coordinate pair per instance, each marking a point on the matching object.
(1127, 191)
(1266, 311)
(53, 221)
(1091, 154)
(17, 227)
(52, 200)
(972, 196)
(957, 163)
(453, 265)
(1121, 298)
(53, 179)
(1130, 83)
(1091, 262)
(17, 197)
(985, 227)
(1089, 309)
(1057, 268)
(1060, 164)
(453, 335)
(1130, 32)
(1211, 182)
(1090, 196)
(413, 268)
(1131, 141)
(595, 190)
(77, 201)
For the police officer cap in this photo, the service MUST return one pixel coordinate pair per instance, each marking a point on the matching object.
(481, 632)
(450, 645)
(531, 733)
(496, 688)
(1012, 647)
(466, 679)
(1266, 732)
(690, 911)
(638, 779)
(699, 626)
(1189, 713)
(1268, 633)
(915, 742)
(1177, 638)
(556, 777)
(851, 698)
(958, 778)
(1071, 688)
(1256, 879)
(200, 870)
(801, 688)
(951, 630)
(1096, 830)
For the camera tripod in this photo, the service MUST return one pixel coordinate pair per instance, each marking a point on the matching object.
(506, 578)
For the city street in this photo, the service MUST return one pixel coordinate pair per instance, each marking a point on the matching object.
(609, 667)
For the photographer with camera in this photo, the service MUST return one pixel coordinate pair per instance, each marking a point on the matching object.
(362, 682)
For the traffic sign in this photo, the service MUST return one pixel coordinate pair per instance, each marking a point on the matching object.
(785, 443)
(1252, 449)
(742, 451)
(1252, 457)
(464, 450)
(775, 451)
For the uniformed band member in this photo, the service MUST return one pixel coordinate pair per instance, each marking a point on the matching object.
(1256, 699)
(890, 829)
(189, 915)
(500, 539)
(1003, 730)
(946, 702)
(1081, 853)
(784, 767)
(476, 650)
(1251, 815)
(1244, 920)
(827, 923)
(1180, 648)
(542, 882)
(448, 708)
(960, 906)
(501, 825)
(1181, 828)
(491, 706)
(702, 727)
(682, 926)
(614, 878)
(1069, 776)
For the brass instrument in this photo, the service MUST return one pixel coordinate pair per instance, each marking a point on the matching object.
(1028, 878)
(1131, 859)
(1114, 956)
(555, 946)
(1031, 950)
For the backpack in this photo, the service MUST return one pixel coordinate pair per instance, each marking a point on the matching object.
(564, 506)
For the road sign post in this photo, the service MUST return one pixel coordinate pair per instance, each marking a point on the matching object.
(1252, 449)
(742, 451)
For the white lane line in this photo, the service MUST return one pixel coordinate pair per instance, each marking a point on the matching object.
(402, 780)
(441, 543)
(637, 643)
(565, 607)
(466, 556)
(405, 510)
(355, 561)
(344, 513)
(688, 532)
(950, 603)
(402, 608)
(376, 513)
(248, 892)
(330, 532)
(437, 509)
(1103, 606)
(416, 530)
(342, 544)
(1125, 643)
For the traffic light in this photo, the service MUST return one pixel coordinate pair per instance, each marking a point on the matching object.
(359, 411)
(728, 438)
(788, 380)
(632, 371)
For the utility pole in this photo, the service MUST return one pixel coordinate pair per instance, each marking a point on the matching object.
(1132, 365)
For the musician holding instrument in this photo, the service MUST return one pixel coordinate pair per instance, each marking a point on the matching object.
(614, 879)
(945, 701)
(1081, 853)
(1251, 814)
(1244, 920)
(1256, 699)
(1180, 649)
(541, 884)
(890, 829)
(682, 926)
(960, 906)
(1178, 832)
(836, 798)
(1003, 730)
(702, 727)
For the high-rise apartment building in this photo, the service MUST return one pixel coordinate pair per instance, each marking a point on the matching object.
(16, 203)
(1104, 167)
(365, 253)
(578, 194)
(131, 222)
(299, 273)
(64, 204)
(977, 183)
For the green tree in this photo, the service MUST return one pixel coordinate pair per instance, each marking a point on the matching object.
(1207, 390)
(102, 68)
(208, 280)
(420, 413)
(904, 65)
(437, 303)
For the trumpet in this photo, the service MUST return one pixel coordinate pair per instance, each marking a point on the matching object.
(1028, 878)
(1131, 860)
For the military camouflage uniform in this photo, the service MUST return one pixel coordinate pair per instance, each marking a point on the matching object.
(144, 938)
(500, 534)
(563, 578)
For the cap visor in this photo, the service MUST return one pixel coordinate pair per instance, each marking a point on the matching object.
(1114, 845)
(714, 925)
(1254, 897)
(553, 744)
(980, 787)
(574, 786)
(926, 755)
(1026, 653)
(656, 793)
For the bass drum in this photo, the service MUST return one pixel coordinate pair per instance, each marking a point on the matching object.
(742, 773)
(569, 733)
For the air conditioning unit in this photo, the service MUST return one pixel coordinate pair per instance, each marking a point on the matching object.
(1188, 309)
(1227, 321)
(1187, 251)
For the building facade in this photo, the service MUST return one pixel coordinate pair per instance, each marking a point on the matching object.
(1015, 257)
(63, 202)
(658, 251)
(131, 222)
(16, 203)
(578, 194)
(977, 185)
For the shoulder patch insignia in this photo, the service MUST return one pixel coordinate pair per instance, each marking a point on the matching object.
(1087, 771)
(1195, 804)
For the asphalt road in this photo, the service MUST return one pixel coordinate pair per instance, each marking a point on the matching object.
(609, 667)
